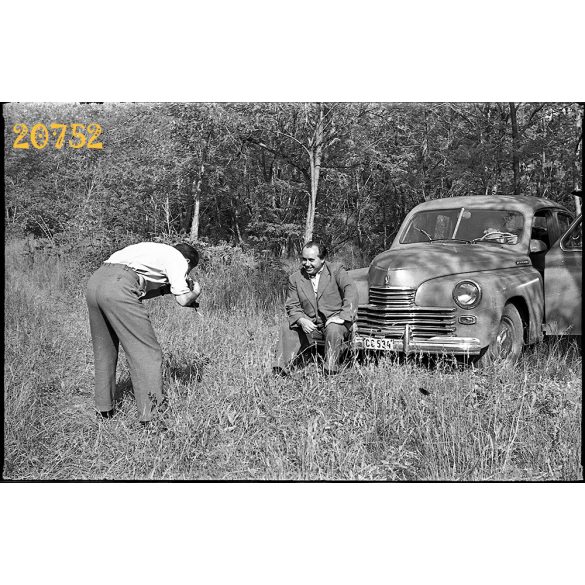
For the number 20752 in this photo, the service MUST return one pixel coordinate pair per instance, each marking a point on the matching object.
(39, 136)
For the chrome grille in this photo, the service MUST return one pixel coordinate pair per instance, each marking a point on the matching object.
(394, 296)
(392, 308)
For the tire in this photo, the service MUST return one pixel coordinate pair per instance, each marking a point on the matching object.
(507, 344)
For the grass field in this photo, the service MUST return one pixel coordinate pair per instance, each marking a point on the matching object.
(229, 419)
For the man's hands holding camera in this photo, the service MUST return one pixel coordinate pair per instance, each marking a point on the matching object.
(194, 286)
(195, 289)
(188, 299)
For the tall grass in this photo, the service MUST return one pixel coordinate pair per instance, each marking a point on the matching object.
(228, 418)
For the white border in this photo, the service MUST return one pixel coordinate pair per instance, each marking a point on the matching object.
(265, 51)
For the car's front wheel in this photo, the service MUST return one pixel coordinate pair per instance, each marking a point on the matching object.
(507, 343)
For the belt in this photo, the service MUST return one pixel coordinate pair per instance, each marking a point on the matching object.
(141, 279)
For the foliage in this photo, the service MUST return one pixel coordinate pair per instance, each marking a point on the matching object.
(248, 167)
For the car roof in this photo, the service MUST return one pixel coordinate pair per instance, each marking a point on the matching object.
(514, 202)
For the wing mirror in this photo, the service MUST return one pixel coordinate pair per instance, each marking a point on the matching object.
(537, 246)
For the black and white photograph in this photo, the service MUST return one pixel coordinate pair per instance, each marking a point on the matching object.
(293, 292)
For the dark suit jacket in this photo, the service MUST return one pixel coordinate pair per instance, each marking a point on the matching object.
(336, 295)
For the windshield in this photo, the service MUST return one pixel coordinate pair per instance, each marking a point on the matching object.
(469, 225)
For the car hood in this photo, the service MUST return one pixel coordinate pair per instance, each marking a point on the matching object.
(415, 263)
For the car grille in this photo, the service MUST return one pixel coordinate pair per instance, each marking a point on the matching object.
(392, 308)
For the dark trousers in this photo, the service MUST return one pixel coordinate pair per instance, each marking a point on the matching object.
(294, 344)
(116, 315)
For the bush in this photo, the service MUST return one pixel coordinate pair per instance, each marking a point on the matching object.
(237, 279)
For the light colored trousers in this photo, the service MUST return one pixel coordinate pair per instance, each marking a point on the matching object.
(116, 315)
(294, 344)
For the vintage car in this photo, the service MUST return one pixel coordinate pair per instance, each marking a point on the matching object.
(476, 276)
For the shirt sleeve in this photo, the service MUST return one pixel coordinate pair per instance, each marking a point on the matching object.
(177, 270)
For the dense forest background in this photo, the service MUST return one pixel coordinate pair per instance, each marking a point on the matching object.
(268, 176)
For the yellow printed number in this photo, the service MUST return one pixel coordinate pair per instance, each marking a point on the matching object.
(94, 130)
(21, 130)
(76, 134)
(42, 129)
(62, 129)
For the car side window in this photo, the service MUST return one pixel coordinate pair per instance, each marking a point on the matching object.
(574, 239)
(565, 221)
(540, 228)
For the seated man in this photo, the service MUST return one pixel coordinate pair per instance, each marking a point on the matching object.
(321, 303)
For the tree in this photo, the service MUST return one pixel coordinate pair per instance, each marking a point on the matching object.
(270, 176)
(515, 147)
(194, 131)
(309, 127)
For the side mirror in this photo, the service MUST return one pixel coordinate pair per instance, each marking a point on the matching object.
(537, 246)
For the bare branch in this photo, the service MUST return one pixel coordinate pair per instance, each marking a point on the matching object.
(291, 137)
(277, 153)
(460, 114)
(533, 113)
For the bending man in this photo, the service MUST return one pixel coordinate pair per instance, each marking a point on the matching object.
(321, 303)
(116, 315)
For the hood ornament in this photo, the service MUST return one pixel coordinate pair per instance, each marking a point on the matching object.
(386, 280)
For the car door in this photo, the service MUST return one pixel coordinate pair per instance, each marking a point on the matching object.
(563, 283)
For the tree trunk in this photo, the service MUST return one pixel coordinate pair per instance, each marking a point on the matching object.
(196, 195)
(237, 226)
(577, 186)
(384, 219)
(577, 161)
(424, 152)
(515, 148)
(315, 151)
(167, 210)
(358, 219)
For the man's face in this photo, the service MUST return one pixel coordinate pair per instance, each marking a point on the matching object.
(310, 260)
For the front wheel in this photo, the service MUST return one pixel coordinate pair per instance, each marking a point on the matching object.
(507, 344)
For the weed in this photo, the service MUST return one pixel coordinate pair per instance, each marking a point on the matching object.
(227, 417)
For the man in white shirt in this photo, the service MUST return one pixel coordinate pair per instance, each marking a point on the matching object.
(116, 315)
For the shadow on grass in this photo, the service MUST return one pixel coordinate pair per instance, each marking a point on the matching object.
(568, 346)
(181, 372)
(124, 390)
(185, 372)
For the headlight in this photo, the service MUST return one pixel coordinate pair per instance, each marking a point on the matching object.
(467, 294)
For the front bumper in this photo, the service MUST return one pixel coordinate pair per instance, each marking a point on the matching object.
(433, 345)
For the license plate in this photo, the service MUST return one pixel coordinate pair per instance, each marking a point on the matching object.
(379, 344)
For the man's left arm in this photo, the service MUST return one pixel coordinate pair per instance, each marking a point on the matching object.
(349, 295)
(185, 290)
(165, 289)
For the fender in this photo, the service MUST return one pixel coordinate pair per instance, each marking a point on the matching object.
(360, 277)
(521, 285)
